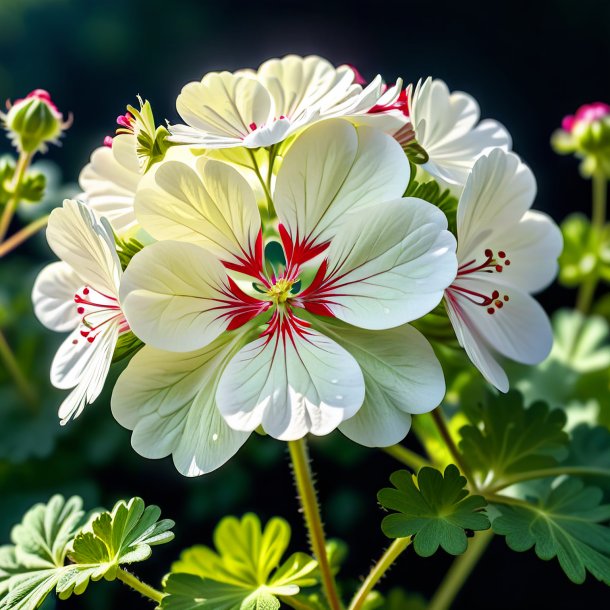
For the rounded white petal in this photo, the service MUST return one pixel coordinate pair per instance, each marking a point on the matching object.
(533, 247)
(86, 244)
(222, 109)
(476, 347)
(210, 204)
(168, 400)
(499, 190)
(389, 264)
(519, 329)
(332, 168)
(401, 374)
(445, 125)
(173, 296)
(110, 180)
(290, 385)
(53, 297)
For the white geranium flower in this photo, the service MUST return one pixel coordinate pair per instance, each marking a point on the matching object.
(259, 335)
(80, 295)
(261, 108)
(505, 251)
(446, 126)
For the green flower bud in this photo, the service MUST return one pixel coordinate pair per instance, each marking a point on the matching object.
(33, 122)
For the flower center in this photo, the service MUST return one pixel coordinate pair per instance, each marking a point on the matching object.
(97, 310)
(280, 291)
(493, 263)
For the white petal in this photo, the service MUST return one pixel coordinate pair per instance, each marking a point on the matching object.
(401, 375)
(86, 244)
(167, 399)
(222, 108)
(444, 125)
(290, 386)
(532, 246)
(53, 297)
(109, 185)
(389, 264)
(476, 347)
(519, 330)
(174, 298)
(83, 366)
(209, 204)
(498, 192)
(333, 168)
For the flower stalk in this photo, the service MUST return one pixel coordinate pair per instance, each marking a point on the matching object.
(23, 235)
(311, 511)
(137, 585)
(407, 457)
(379, 570)
(11, 205)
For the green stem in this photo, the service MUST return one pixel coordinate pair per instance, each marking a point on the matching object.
(11, 205)
(407, 457)
(587, 289)
(378, 571)
(508, 500)
(439, 420)
(295, 603)
(257, 171)
(18, 238)
(543, 473)
(459, 571)
(311, 511)
(135, 583)
(12, 366)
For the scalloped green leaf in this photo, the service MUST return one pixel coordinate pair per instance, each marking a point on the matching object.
(244, 572)
(509, 438)
(434, 508)
(564, 522)
(124, 535)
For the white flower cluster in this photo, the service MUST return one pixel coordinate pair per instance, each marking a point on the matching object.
(278, 261)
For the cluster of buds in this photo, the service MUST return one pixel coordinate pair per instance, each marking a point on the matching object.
(586, 134)
(34, 121)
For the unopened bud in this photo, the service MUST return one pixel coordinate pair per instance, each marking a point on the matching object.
(34, 121)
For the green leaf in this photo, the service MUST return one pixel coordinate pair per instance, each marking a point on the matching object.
(122, 536)
(509, 439)
(245, 570)
(563, 522)
(432, 192)
(433, 508)
(33, 566)
(590, 450)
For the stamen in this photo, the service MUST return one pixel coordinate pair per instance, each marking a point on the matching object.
(97, 311)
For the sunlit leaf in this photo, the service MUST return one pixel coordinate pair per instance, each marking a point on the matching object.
(435, 509)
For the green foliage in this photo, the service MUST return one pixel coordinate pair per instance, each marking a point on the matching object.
(586, 252)
(126, 249)
(126, 346)
(49, 534)
(244, 573)
(563, 522)
(432, 192)
(509, 438)
(590, 450)
(122, 536)
(435, 509)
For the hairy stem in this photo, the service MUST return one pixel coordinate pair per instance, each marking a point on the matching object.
(378, 571)
(407, 457)
(543, 473)
(311, 511)
(441, 424)
(11, 205)
(18, 238)
(13, 368)
(459, 571)
(135, 583)
(586, 292)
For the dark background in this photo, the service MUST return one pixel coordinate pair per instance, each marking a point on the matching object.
(527, 63)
